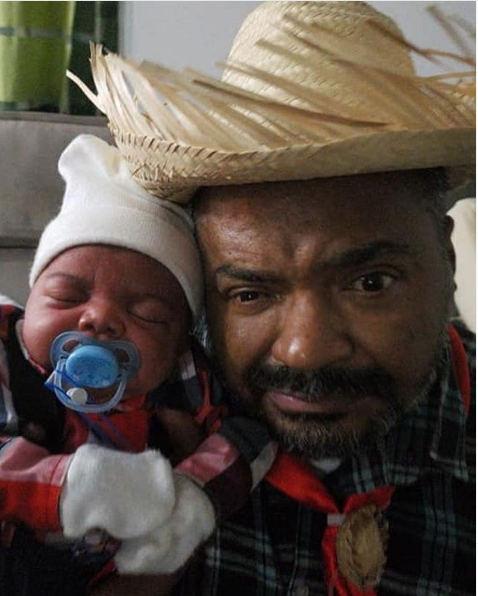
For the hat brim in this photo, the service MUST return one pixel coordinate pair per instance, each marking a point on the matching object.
(173, 171)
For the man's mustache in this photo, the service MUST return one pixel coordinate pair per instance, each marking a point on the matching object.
(341, 382)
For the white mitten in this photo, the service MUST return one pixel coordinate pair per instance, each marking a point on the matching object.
(125, 494)
(167, 548)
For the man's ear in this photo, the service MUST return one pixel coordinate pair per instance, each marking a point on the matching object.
(448, 227)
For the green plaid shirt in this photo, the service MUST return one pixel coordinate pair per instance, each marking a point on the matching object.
(272, 546)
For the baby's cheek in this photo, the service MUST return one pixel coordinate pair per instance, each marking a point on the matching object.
(38, 348)
(150, 376)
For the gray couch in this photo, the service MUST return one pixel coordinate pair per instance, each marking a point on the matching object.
(31, 188)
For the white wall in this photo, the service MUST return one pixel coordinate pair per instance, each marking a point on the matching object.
(179, 34)
(199, 34)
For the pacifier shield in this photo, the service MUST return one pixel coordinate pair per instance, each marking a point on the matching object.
(92, 366)
(84, 366)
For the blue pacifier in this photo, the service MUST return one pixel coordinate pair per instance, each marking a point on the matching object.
(82, 363)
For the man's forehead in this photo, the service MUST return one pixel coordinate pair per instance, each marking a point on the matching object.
(297, 197)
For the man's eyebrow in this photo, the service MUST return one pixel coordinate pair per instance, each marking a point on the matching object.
(243, 274)
(363, 254)
(347, 258)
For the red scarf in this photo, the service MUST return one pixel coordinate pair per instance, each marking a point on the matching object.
(298, 480)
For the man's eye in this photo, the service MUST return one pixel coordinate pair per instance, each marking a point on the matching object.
(373, 282)
(247, 296)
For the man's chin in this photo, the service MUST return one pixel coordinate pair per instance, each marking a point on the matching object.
(317, 437)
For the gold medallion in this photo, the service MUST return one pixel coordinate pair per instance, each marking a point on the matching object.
(361, 546)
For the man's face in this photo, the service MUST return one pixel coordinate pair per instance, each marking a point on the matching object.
(110, 293)
(326, 302)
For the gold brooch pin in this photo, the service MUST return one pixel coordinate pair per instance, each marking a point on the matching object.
(361, 546)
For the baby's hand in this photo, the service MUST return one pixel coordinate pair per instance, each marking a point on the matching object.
(169, 546)
(125, 494)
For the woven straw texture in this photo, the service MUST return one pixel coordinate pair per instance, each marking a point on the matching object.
(310, 89)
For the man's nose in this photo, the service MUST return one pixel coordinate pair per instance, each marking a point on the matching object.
(312, 333)
(102, 318)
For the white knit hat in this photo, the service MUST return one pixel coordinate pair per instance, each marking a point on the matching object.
(103, 204)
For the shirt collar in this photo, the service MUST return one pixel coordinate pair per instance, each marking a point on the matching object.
(448, 441)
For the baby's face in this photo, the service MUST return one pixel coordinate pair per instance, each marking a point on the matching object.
(110, 293)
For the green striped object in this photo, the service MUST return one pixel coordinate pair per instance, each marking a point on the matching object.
(98, 22)
(35, 47)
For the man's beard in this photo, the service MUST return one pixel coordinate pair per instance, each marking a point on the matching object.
(324, 435)
(320, 436)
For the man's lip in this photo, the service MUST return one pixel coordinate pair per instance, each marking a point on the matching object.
(296, 404)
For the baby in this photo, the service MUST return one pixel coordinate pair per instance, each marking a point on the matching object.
(116, 287)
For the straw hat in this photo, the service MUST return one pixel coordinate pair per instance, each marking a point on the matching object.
(311, 89)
